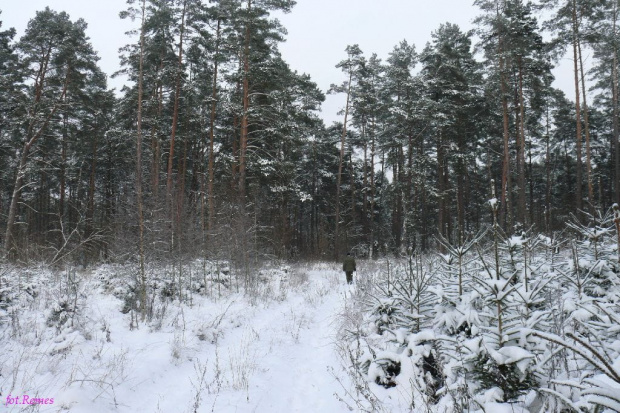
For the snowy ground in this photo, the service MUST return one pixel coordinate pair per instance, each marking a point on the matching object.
(273, 352)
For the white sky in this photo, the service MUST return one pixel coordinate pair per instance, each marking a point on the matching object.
(318, 31)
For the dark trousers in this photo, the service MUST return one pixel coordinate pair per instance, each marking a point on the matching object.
(349, 277)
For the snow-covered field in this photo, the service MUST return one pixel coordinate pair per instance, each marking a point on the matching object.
(273, 351)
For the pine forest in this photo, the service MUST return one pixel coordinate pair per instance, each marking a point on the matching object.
(177, 244)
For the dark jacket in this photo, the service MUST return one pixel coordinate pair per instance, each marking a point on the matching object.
(349, 264)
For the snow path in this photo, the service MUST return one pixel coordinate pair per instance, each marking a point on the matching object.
(302, 369)
(297, 372)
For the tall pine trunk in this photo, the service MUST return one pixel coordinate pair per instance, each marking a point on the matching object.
(62, 179)
(364, 220)
(460, 189)
(441, 186)
(409, 194)
(155, 143)
(211, 167)
(139, 169)
(352, 183)
(586, 122)
(372, 191)
(506, 208)
(579, 179)
(175, 122)
(523, 215)
(90, 214)
(399, 202)
(340, 163)
(243, 141)
(616, 128)
(548, 174)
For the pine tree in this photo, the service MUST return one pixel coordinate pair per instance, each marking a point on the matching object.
(400, 113)
(10, 80)
(451, 80)
(606, 45)
(254, 31)
(55, 53)
(518, 58)
(351, 66)
(569, 24)
(11, 94)
(494, 36)
(366, 110)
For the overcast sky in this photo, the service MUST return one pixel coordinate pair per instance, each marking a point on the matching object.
(318, 30)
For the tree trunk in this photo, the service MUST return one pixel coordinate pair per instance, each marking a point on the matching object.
(62, 179)
(441, 189)
(364, 220)
(243, 142)
(548, 174)
(90, 215)
(175, 114)
(579, 179)
(181, 195)
(155, 143)
(531, 215)
(523, 215)
(372, 192)
(460, 189)
(616, 128)
(399, 207)
(586, 121)
(211, 167)
(506, 209)
(234, 173)
(139, 170)
(409, 190)
(352, 183)
(341, 161)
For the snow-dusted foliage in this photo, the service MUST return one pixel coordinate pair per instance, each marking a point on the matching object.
(527, 323)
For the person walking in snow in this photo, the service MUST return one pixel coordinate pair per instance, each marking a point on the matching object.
(348, 266)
